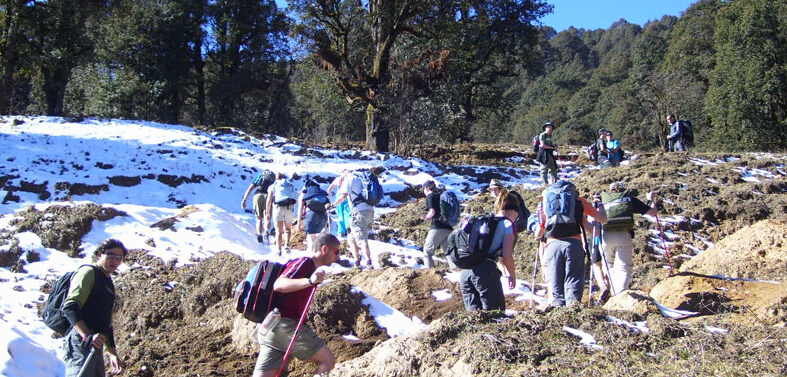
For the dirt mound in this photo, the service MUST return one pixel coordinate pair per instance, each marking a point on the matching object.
(751, 301)
(757, 251)
(410, 291)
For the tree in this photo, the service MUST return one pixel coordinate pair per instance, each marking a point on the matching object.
(13, 47)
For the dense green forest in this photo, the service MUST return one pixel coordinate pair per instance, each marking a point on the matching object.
(402, 72)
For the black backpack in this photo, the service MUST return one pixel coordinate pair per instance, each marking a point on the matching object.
(687, 132)
(316, 198)
(52, 312)
(469, 244)
(254, 295)
(524, 213)
(264, 180)
(536, 143)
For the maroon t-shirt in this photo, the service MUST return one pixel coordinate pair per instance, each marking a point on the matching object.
(292, 304)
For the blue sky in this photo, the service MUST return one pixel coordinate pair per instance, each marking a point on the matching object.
(600, 14)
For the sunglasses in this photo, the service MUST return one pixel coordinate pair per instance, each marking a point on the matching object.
(115, 256)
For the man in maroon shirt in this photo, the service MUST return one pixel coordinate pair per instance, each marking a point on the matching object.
(294, 287)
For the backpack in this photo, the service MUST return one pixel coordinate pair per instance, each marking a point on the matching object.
(315, 197)
(620, 211)
(52, 312)
(687, 132)
(254, 296)
(524, 213)
(536, 143)
(469, 244)
(449, 208)
(264, 180)
(560, 209)
(371, 192)
(593, 152)
(284, 193)
(622, 153)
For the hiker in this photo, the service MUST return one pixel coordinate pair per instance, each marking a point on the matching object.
(675, 137)
(88, 308)
(260, 185)
(563, 212)
(613, 149)
(602, 154)
(618, 232)
(480, 285)
(439, 229)
(343, 209)
(280, 208)
(361, 216)
(312, 211)
(294, 286)
(545, 155)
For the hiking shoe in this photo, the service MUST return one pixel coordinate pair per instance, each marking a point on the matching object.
(369, 264)
(287, 249)
(604, 297)
(357, 263)
(259, 238)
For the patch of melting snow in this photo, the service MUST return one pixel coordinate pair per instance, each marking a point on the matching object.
(728, 278)
(693, 248)
(674, 313)
(702, 162)
(716, 330)
(714, 181)
(704, 240)
(442, 295)
(352, 337)
(585, 339)
(640, 327)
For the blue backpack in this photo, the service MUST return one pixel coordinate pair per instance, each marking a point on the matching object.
(371, 192)
(560, 209)
(449, 208)
(316, 198)
(284, 193)
(264, 180)
(254, 296)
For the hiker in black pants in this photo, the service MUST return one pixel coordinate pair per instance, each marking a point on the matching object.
(546, 156)
(88, 307)
(480, 285)
(602, 155)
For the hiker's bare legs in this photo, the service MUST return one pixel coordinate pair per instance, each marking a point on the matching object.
(287, 233)
(365, 244)
(354, 247)
(279, 226)
(324, 359)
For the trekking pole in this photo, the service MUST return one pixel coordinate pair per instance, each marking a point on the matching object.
(297, 329)
(590, 260)
(664, 243)
(89, 359)
(535, 269)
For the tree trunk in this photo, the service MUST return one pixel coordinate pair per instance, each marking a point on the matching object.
(199, 68)
(55, 81)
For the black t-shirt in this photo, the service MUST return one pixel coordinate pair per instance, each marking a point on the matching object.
(433, 202)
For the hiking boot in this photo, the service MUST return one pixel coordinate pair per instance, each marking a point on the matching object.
(358, 262)
(604, 297)
(286, 249)
(259, 238)
(369, 264)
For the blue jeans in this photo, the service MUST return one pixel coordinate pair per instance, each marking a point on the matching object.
(566, 270)
(74, 354)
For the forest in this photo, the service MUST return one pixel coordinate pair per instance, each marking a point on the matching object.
(394, 74)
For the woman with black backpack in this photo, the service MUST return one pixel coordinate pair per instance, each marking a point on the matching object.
(312, 211)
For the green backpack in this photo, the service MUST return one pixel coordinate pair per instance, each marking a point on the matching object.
(620, 211)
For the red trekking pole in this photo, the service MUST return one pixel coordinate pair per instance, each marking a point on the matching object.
(666, 249)
(297, 329)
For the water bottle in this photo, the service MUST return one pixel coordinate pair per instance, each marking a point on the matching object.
(270, 321)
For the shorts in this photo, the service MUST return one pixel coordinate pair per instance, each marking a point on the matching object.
(283, 213)
(259, 200)
(274, 344)
(315, 222)
(360, 224)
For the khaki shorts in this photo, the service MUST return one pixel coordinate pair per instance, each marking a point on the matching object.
(360, 224)
(284, 213)
(259, 204)
(274, 345)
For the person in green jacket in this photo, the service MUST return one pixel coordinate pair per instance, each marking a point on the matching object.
(88, 307)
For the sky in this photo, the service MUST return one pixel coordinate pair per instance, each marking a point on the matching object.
(48, 150)
(601, 14)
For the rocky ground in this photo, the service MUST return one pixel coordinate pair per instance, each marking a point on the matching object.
(728, 248)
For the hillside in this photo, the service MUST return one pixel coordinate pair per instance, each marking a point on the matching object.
(172, 193)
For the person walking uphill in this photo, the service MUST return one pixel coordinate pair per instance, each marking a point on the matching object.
(546, 154)
(439, 229)
(88, 308)
(280, 207)
(617, 237)
(295, 286)
(675, 138)
(561, 215)
(261, 184)
(343, 209)
(480, 284)
(362, 201)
